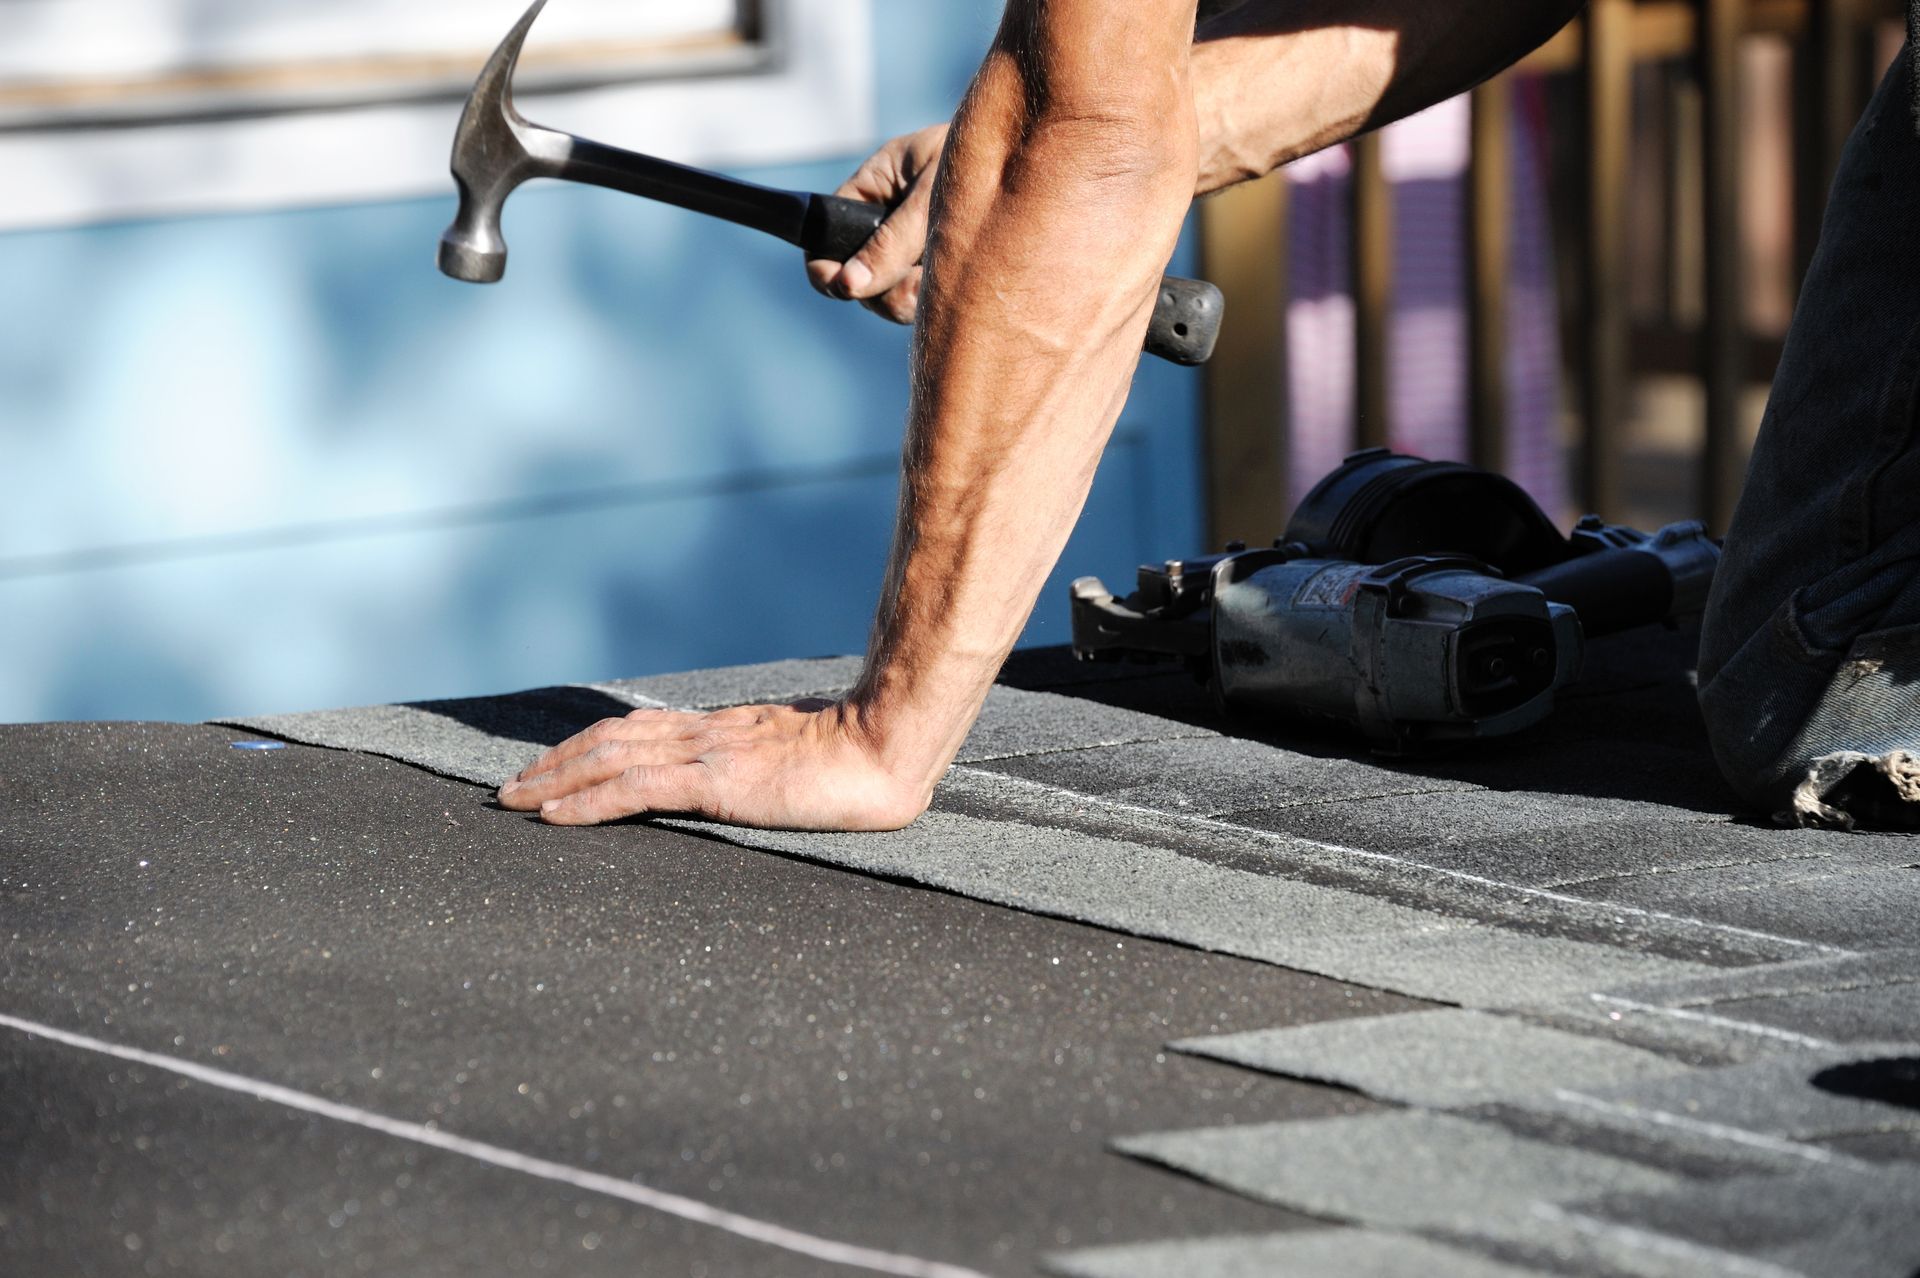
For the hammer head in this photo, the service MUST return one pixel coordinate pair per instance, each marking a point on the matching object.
(490, 159)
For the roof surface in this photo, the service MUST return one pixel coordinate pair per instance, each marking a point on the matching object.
(1579, 1013)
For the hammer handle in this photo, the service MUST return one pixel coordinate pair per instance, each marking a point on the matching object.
(1186, 314)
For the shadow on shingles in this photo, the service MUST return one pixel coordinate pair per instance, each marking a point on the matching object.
(1893, 1081)
(542, 717)
(1630, 729)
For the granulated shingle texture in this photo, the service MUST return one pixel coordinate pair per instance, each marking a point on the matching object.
(1858, 907)
(1304, 1253)
(1440, 1059)
(1213, 775)
(1412, 1170)
(1845, 1221)
(857, 1059)
(1642, 941)
(1792, 1095)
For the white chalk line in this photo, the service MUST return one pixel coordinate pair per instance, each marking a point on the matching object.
(1635, 1114)
(1719, 1022)
(1588, 903)
(688, 1209)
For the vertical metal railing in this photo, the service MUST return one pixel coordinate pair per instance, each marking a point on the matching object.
(1606, 69)
(1723, 345)
(1372, 274)
(1489, 265)
(1243, 242)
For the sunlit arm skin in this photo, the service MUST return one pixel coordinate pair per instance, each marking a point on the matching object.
(1273, 80)
(1051, 208)
(1278, 79)
(1064, 184)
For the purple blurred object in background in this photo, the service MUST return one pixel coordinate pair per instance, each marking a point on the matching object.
(1426, 161)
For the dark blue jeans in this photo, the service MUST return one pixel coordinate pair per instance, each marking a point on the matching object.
(1810, 652)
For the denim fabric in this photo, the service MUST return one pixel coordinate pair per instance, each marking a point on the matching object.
(1913, 56)
(1810, 651)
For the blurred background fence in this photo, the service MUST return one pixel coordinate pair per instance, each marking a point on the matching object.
(1582, 274)
(260, 456)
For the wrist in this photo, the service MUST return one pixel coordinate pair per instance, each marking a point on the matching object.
(913, 721)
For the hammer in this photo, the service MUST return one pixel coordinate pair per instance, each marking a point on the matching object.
(496, 149)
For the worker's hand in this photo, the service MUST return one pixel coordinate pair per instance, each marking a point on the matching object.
(807, 766)
(884, 276)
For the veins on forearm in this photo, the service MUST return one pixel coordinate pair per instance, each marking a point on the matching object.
(1053, 214)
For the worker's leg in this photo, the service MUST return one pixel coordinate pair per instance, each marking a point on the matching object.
(1810, 656)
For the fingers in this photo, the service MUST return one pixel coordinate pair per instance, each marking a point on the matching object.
(893, 251)
(895, 178)
(879, 180)
(901, 302)
(822, 273)
(881, 176)
(799, 766)
(680, 788)
(601, 763)
(641, 725)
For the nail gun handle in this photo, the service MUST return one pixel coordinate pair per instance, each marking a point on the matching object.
(1186, 314)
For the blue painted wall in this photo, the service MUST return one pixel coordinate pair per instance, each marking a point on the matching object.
(272, 462)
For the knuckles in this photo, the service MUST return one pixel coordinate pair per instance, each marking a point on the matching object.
(606, 752)
(706, 741)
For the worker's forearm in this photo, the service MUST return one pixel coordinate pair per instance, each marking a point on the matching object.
(1277, 79)
(1059, 203)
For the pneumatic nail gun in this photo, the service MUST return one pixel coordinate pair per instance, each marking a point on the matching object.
(1418, 601)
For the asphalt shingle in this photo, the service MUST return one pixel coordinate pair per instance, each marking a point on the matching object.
(1815, 974)
(772, 681)
(1440, 1058)
(1411, 1170)
(415, 735)
(1847, 906)
(1587, 858)
(1133, 887)
(1446, 827)
(1791, 1095)
(1494, 968)
(1014, 723)
(1587, 877)
(1302, 1253)
(1834, 1222)
(1869, 1014)
(1746, 1013)
(1214, 775)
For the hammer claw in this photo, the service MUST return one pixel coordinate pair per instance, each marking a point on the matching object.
(490, 159)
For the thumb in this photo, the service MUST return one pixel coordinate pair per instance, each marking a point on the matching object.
(892, 251)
